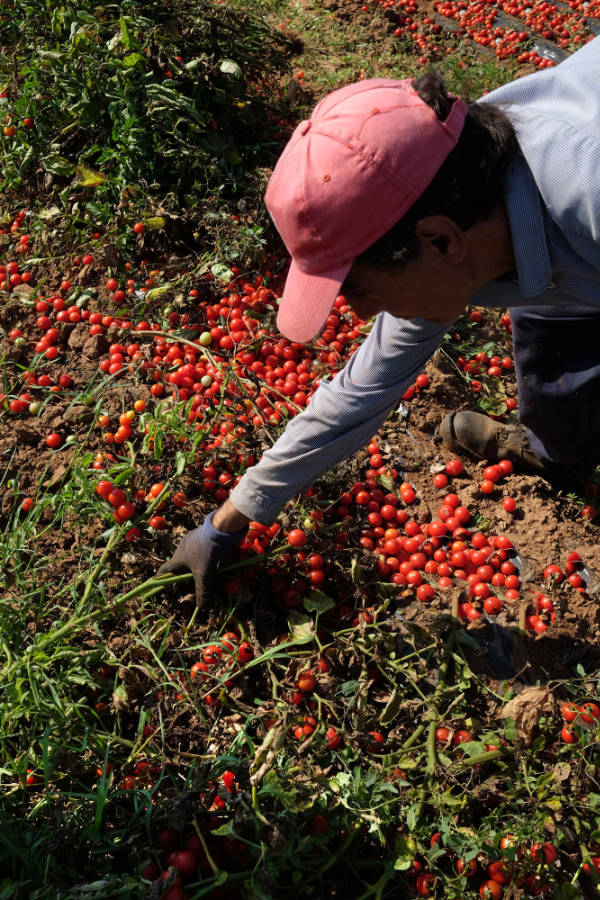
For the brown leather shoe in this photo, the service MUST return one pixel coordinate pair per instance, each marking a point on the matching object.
(483, 438)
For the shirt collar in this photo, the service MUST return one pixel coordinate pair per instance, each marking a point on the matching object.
(526, 219)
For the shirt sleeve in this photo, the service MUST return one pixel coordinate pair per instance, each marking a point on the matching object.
(342, 416)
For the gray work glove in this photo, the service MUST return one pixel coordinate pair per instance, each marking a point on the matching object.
(200, 551)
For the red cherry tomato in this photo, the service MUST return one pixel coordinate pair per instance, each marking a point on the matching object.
(297, 538)
(589, 712)
(569, 712)
(569, 736)
(454, 467)
(595, 860)
(425, 883)
(184, 861)
(306, 682)
(333, 739)
(543, 852)
(500, 872)
(490, 890)
(376, 741)
(467, 869)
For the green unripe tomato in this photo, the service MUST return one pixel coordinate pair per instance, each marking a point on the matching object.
(205, 339)
(35, 407)
(206, 381)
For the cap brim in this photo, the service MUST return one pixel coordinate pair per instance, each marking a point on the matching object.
(307, 301)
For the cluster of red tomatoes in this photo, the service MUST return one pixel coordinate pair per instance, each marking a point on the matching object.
(494, 366)
(143, 774)
(181, 859)
(477, 20)
(423, 33)
(277, 376)
(219, 667)
(586, 716)
(497, 874)
(427, 556)
(10, 129)
(123, 509)
(305, 685)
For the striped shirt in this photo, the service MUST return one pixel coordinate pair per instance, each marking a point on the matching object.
(552, 195)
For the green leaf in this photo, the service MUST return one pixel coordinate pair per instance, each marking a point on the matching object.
(57, 165)
(510, 732)
(465, 640)
(155, 223)
(125, 39)
(411, 817)
(403, 863)
(348, 687)
(569, 891)
(155, 293)
(233, 157)
(317, 601)
(494, 405)
(226, 830)
(128, 62)
(302, 628)
(230, 67)
(180, 462)
(88, 177)
(221, 272)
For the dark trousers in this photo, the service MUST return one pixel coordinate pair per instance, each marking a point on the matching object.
(557, 364)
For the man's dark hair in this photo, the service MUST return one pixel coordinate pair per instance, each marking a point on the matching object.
(469, 183)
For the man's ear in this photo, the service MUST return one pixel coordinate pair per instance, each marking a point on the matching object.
(442, 237)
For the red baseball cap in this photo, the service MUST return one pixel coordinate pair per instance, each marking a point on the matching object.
(346, 176)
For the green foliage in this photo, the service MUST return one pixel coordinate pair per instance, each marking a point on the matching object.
(158, 104)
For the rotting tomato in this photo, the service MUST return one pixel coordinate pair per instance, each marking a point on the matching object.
(425, 884)
(500, 871)
(490, 890)
(545, 852)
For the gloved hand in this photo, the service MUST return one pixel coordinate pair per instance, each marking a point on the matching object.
(200, 551)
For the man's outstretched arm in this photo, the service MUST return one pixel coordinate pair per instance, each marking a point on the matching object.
(343, 415)
(341, 418)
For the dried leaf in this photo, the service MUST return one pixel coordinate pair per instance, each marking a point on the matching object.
(89, 177)
(392, 708)
(526, 709)
(561, 771)
(267, 752)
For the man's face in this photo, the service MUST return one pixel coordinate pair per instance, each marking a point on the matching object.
(424, 288)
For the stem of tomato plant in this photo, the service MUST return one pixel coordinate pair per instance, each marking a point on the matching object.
(409, 742)
(98, 568)
(211, 861)
(99, 614)
(340, 852)
(480, 758)
(256, 809)
(440, 688)
(376, 890)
